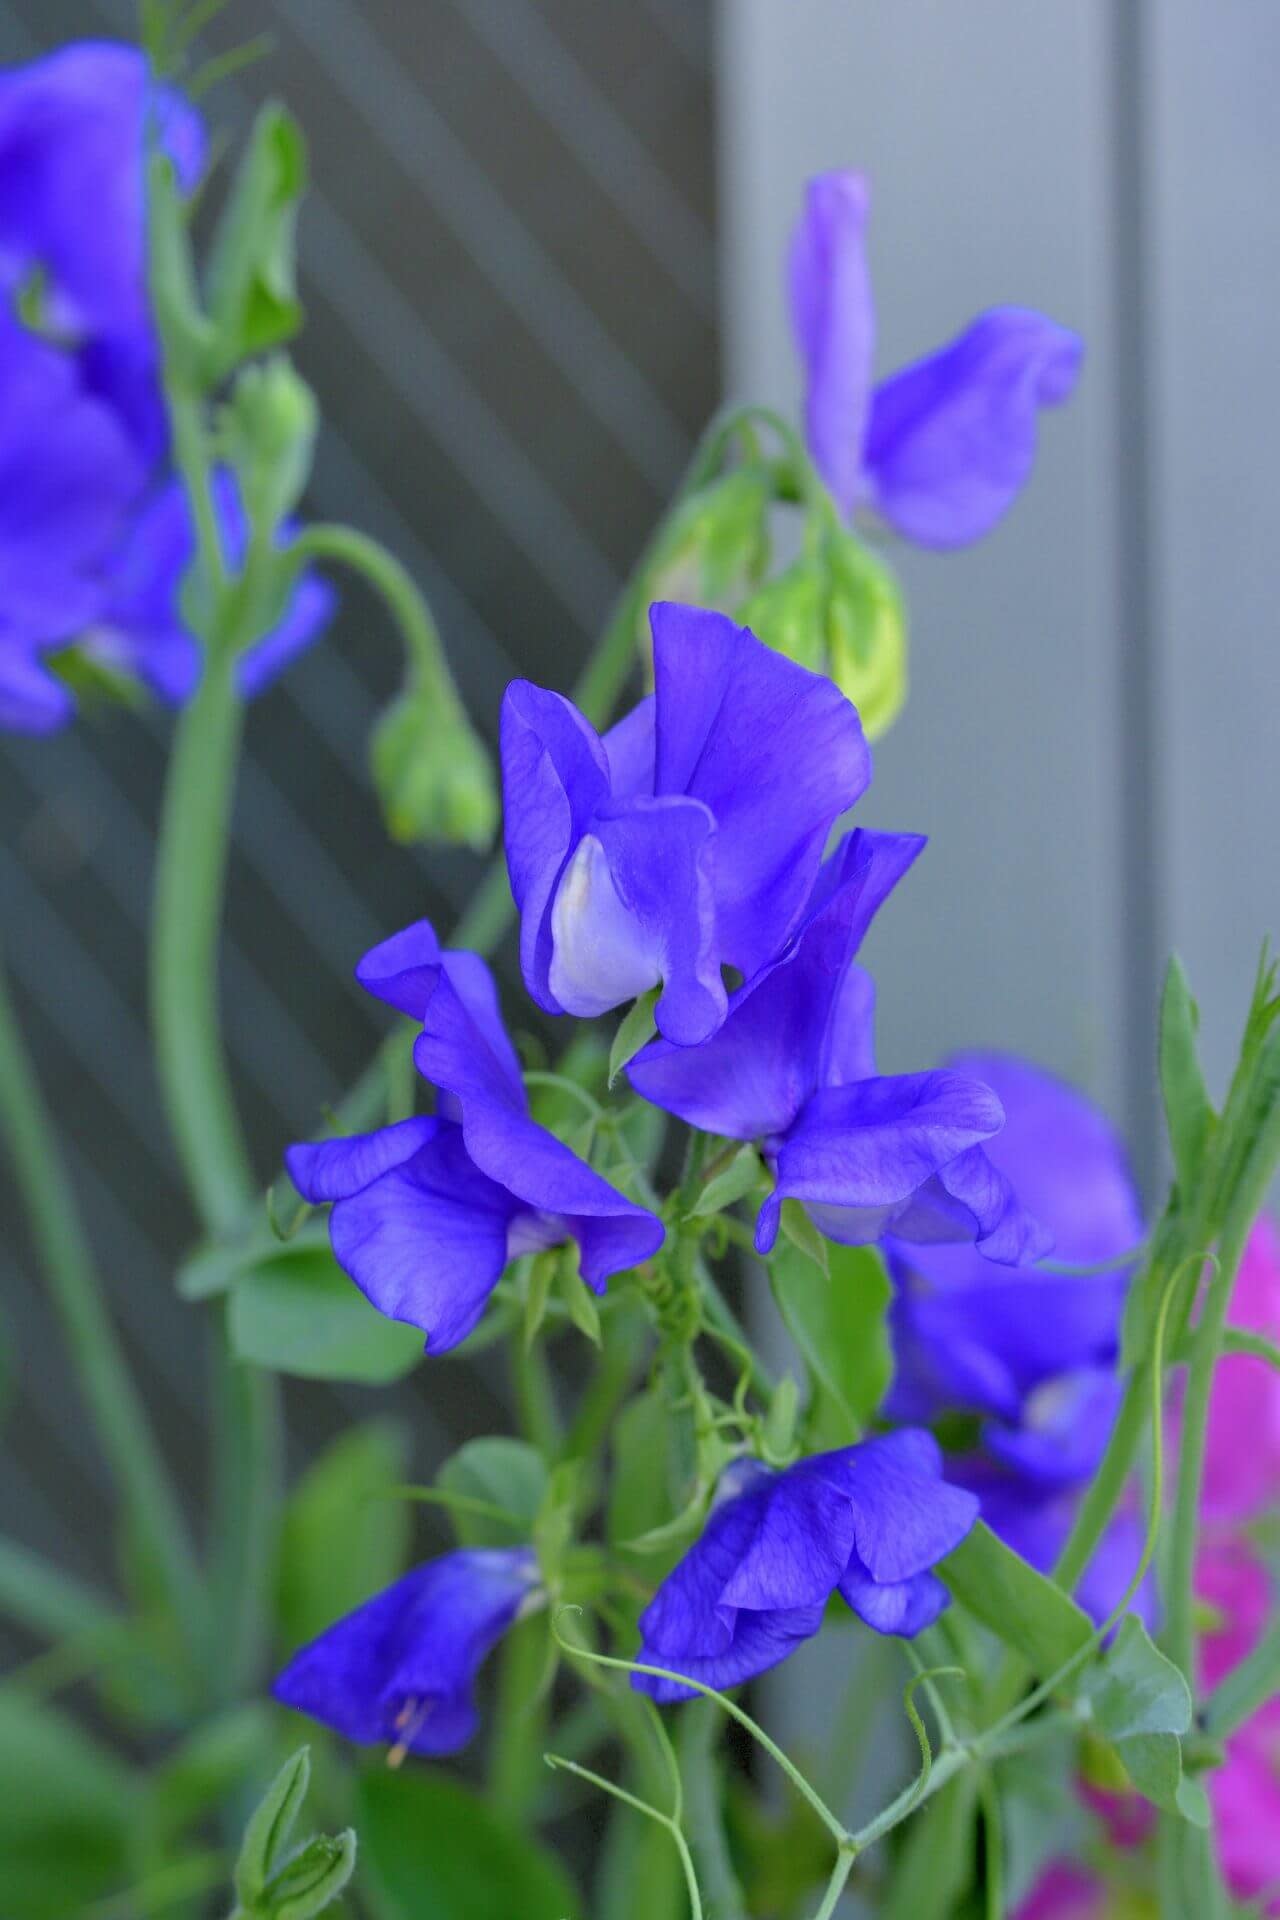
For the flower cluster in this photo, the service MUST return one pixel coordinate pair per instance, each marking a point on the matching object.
(95, 534)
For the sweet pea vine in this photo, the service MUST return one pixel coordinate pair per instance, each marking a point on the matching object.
(1010, 1442)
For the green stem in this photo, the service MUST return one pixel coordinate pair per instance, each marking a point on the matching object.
(76, 1289)
(836, 1885)
(699, 1739)
(187, 915)
(520, 1721)
(248, 1471)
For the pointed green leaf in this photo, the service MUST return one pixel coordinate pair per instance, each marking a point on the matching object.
(1136, 1689)
(253, 300)
(637, 1030)
(730, 1185)
(65, 1813)
(1189, 1113)
(266, 1838)
(1020, 1606)
(579, 1301)
(313, 1879)
(799, 1229)
(538, 1281)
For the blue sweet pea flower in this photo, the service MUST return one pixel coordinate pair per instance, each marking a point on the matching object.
(140, 625)
(401, 1669)
(793, 1068)
(688, 838)
(69, 478)
(1034, 1354)
(427, 1213)
(73, 132)
(868, 1522)
(941, 450)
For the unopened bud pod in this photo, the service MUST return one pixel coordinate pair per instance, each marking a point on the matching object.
(718, 546)
(267, 434)
(866, 633)
(789, 614)
(433, 776)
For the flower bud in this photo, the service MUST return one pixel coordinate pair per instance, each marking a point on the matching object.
(866, 633)
(268, 431)
(789, 614)
(433, 776)
(718, 547)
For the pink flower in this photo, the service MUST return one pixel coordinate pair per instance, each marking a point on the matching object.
(1065, 1892)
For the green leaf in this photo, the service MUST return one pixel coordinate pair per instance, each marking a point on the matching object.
(266, 1838)
(579, 1301)
(208, 1767)
(839, 1324)
(431, 1846)
(504, 1473)
(729, 1185)
(799, 1229)
(213, 1269)
(342, 1538)
(299, 1313)
(553, 1529)
(1189, 1113)
(1135, 1688)
(65, 1805)
(638, 1497)
(253, 301)
(1020, 1606)
(312, 1879)
(537, 1292)
(636, 1030)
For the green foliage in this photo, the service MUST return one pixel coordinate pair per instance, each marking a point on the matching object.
(731, 1184)
(1189, 1113)
(797, 1230)
(273, 1882)
(297, 1312)
(253, 301)
(204, 1772)
(1020, 1606)
(1141, 1703)
(65, 1809)
(495, 1472)
(433, 777)
(635, 1030)
(267, 432)
(839, 1324)
(343, 1537)
(639, 1497)
(433, 1846)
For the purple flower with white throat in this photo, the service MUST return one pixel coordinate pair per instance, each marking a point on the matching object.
(869, 1522)
(688, 838)
(793, 1067)
(401, 1669)
(941, 450)
(427, 1213)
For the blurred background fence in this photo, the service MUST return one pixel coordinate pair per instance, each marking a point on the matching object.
(515, 278)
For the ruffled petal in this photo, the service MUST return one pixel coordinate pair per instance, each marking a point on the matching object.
(907, 1517)
(404, 971)
(554, 777)
(760, 1641)
(336, 1169)
(776, 753)
(800, 1022)
(801, 1542)
(427, 1242)
(952, 439)
(859, 1154)
(901, 1607)
(833, 318)
(635, 907)
(1063, 1430)
(688, 1614)
(631, 749)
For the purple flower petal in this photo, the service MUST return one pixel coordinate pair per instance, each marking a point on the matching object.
(427, 1242)
(31, 700)
(402, 1668)
(762, 1641)
(833, 317)
(632, 752)
(336, 1169)
(859, 1154)
(635, 907)
(800, 1022)
(1063, 1428)
(554, 777)
(776, 753)
(907, 1517)
(952, 439)
(901, 1607)
(405, 969)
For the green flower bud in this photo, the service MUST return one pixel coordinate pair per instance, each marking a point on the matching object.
(434, 778)
(267, 433)
(718, 546)
(866, 633)
(838, 611)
